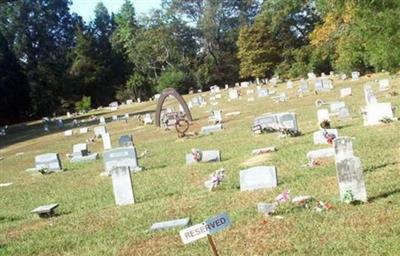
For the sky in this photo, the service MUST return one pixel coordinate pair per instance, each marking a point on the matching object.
(85, 8)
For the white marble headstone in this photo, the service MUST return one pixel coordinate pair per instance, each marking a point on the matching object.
(259, 177)
(106, 141)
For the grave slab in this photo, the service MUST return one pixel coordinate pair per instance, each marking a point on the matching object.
(122, 186)
(170, 224)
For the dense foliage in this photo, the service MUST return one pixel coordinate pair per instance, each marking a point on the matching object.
(50, 59)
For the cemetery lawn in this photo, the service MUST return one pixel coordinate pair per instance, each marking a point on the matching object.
(89, 223)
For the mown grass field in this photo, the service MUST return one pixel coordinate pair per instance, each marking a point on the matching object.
(89, 223)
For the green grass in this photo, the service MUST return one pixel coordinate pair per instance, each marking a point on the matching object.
(89, 223)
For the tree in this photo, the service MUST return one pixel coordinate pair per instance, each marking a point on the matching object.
(14, 88)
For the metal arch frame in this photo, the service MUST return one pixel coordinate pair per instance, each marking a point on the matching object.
(164, 94)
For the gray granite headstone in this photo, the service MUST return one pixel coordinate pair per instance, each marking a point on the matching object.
(49, 161)
(349, 170)
(259, 177)
(120, 157)
(170, 224)
(265, 120)
(125, 141)
(122, 185)
(288, 120)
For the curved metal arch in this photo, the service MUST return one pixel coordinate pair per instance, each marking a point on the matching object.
(164, 94)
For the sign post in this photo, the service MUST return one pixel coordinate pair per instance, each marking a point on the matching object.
(206, 229)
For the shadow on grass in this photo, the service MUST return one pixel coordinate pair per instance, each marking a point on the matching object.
(384, 195)
(342, 126)
(376, 167)
(9, 218)
(23, 132)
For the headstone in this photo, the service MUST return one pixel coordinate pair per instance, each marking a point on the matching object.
(99, 131)
(349, 171)
(124, 156)
(68, 133)
(106, 141)
(83, 130)
(139, 100)
(45, 211)
(259, 177)
(233, 94)
(156, 97)
(320, 154)
(311, 76)
(122, 186)
(374, 113)
(147, 119)
(102, 120)
(289, 84)
(262, 92)
(49, 162)
(384, 85)
(287, 120)
(266, 120)
(345, 92)
(205, 156)
(115, 118)
(244, 84)
(303, 86)
(129, 102)
(336, 106)
(68, 115)
(344, 113)
(369, 95)
(266, 208)
(319, 137)
(323, 115)
(211, 129)
(125, 141)
(80, 149)
(323, 85)
(170, 224)
(274, 81)
(355, 75)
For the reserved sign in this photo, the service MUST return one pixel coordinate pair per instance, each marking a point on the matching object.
(209, 227)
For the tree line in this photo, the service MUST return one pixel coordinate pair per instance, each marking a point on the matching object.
(52, 61)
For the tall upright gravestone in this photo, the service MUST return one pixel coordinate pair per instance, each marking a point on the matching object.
(349, 171)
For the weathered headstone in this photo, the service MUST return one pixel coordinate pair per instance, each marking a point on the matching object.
(287, 120)
(49, 162)
(323, 85)
(122, 185)
(336, 106)
(289, 84)
(355, 75)
(259, 177)
(233, 94)
(369, 95)
(349, 171)
(320, 154)
(102, 120)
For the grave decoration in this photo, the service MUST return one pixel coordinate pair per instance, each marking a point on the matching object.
(206, 229)
(349, 172)
(325, 136)
(260, 151)
(203, 156)
(45, 211)
(178, 120)
(216, 179)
